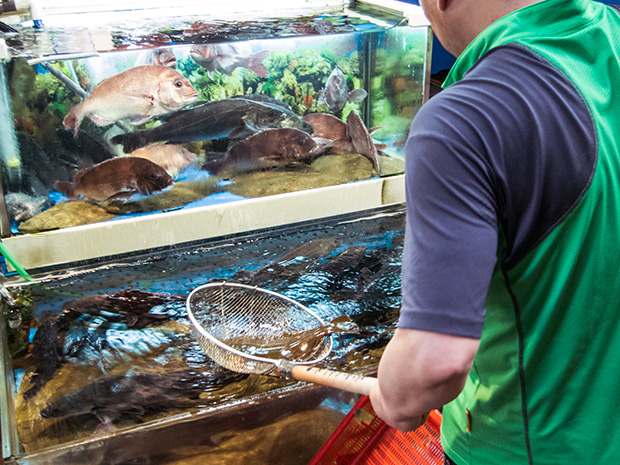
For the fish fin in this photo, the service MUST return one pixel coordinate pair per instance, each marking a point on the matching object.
(357, 95)
(242, 132)
(130, 141)
(65, 188)
(259, 69)
(227, 61)
(139, 119)
(122, 196)
(132, 319)
(100, 121)
(374, 129)
(255, 63)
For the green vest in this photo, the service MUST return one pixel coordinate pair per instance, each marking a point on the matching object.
(545, 385)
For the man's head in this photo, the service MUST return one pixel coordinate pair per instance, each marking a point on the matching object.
(457, 22)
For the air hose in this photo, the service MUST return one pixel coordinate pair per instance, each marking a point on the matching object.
(14, 263)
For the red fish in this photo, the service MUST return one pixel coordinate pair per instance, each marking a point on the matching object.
(269, 148)
(337, 137)
(138, 93)
(225, 58)
(327, 126)
(172, 158)
(117, 179)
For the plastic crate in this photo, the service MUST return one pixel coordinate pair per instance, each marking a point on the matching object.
(363, 438)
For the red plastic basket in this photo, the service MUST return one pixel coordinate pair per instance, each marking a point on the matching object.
(363, 438)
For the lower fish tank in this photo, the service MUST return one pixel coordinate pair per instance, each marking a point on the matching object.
(101, 363)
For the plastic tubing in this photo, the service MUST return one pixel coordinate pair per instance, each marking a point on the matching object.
(9, 258)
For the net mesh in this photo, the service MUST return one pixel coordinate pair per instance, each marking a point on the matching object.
(234, 322)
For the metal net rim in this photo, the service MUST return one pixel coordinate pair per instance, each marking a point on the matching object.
(255, 358)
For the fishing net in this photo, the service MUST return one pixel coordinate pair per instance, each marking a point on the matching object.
(247, 329)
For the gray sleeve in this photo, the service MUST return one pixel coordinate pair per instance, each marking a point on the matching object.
(504, 153)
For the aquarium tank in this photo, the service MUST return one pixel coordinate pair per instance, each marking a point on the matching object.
(145, 151)
(118, 112)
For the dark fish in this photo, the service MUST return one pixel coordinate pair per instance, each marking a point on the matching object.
(225, 58)
(233, 118)
(131, 306)
(268, 148)
(47, 351)
(360, 137)
(292, 265)
(138, 93)
(134, 395)
(118, 179)
(299, 346)
(262, 98)
(336, 92)
(334, 135)
(22, 207)
(91, 150)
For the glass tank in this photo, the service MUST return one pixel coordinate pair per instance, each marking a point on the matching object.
(116, 115)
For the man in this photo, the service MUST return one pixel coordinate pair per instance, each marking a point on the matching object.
(511, 292)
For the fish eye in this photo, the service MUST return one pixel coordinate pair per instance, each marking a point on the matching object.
(178, 83)
(271, 113)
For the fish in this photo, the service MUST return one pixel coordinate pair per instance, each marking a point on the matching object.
(163, 56)
(47, 351)
(134, 395)
(22, 207)
(131, 306)
(87, 150)
(172, 158)
(360, 137)
(231, 118)
(299, 346)
(139, 93)
(291, 266)
(336, 92)
(118, 179)
(225, 58)
(327, 126)
(334, 137)
(269, 148)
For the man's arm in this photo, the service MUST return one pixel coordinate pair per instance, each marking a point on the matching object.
(420, 371)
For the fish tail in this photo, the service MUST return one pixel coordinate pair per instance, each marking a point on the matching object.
(74, 118)
(66, 188)
(130, 141)
(255, 63)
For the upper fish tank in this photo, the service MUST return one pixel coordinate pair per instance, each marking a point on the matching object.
(127, 128)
